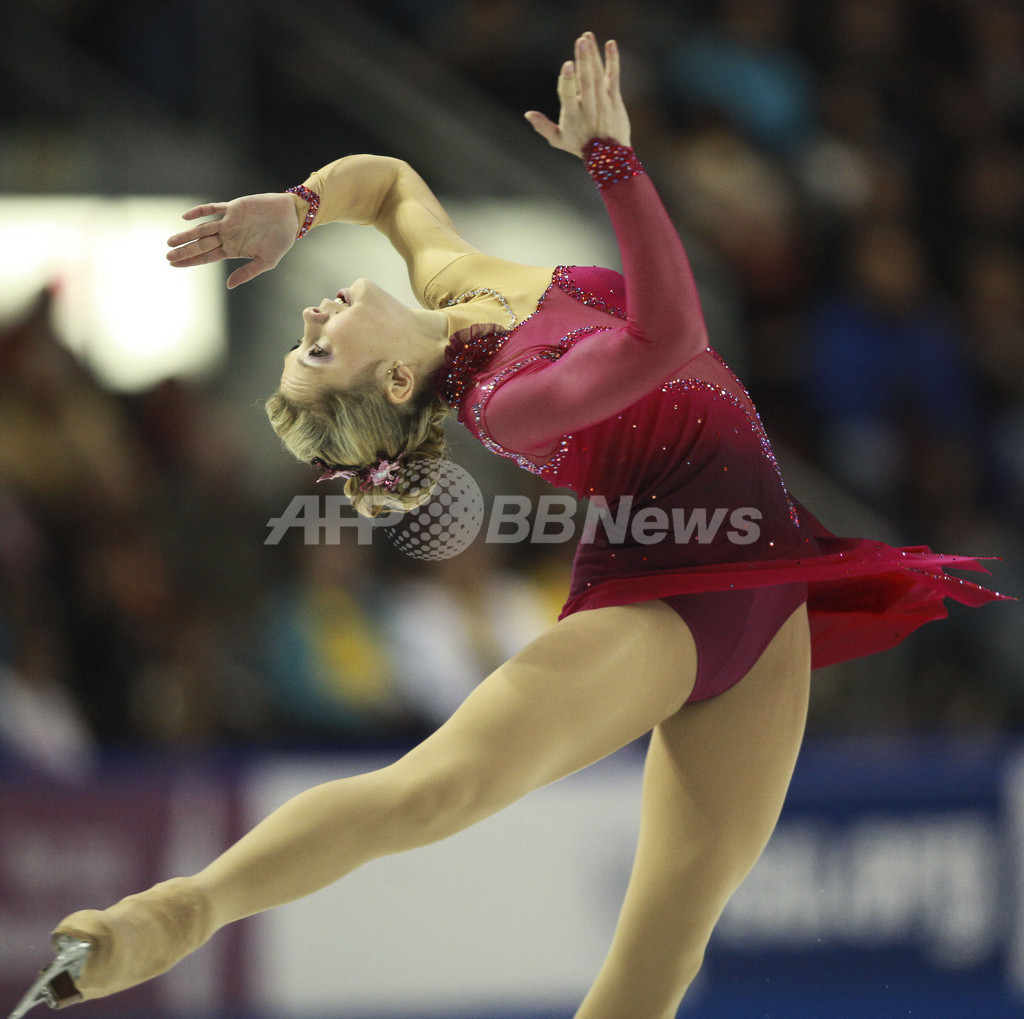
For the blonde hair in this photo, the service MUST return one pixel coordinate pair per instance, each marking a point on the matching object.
(359, 426)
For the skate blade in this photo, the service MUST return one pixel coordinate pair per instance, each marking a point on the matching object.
(55, 985)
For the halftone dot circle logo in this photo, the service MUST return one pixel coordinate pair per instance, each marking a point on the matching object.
(447, 523)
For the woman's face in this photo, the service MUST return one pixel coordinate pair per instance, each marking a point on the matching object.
(341, 338)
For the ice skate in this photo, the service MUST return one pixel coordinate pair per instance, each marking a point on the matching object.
(55, 984)
(102, 952)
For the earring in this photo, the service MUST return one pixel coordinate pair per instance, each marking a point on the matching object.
(394, 367)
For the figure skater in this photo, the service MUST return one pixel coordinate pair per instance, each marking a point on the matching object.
(704, 636)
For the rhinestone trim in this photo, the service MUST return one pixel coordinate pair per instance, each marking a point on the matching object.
(492, 293)
(756, 426)
(552, 465)
(314, 207)
(563, 280)
(610, 163)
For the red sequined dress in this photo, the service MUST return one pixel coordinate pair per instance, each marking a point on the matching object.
(609, 389)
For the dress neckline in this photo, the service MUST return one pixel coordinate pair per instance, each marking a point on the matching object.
(467, 354)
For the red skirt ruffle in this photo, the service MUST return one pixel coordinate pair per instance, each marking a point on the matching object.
(863, 596)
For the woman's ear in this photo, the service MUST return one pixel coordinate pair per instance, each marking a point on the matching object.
(400, 384)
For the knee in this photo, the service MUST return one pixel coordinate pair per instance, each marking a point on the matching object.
(688, 965)
(668, 983)
(435, 800)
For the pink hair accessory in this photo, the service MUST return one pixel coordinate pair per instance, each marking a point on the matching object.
(381, 474)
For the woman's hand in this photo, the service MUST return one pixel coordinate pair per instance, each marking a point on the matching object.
(260, 228)
(591, 102)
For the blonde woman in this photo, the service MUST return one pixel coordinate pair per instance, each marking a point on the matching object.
(695, 612)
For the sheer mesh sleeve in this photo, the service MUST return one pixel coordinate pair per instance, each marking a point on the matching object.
(664, 329)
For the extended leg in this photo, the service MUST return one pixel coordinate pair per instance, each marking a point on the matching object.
(715, 779)
(586, 687)
(591, 684)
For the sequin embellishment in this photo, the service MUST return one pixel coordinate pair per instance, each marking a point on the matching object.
(500, 298)
(550, 467)
(467, 355)
(313, 198)
(468, 358)
(609, 163)
(756, 426)
(564, 281)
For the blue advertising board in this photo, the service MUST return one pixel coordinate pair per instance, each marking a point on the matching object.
(893, 886)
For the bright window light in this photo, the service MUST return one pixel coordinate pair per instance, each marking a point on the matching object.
(118, 303)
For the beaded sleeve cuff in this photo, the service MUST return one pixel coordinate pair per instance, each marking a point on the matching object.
(314, 206)
(608, 162)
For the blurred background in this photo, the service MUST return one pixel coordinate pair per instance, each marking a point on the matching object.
(849, 178)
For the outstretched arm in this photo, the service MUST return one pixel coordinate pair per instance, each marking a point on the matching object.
(372, 190)
(665, 327)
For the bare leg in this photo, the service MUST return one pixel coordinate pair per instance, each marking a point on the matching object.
(715, 779)
(589, 685)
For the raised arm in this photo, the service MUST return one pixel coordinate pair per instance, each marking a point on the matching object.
(665, 327)
(372, 190)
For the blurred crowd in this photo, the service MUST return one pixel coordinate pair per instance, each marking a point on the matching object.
(850, 174)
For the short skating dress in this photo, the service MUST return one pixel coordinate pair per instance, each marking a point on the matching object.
(609, 388)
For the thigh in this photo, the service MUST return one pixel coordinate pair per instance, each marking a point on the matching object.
(718, 770)
(594, 682)
(716, 776)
